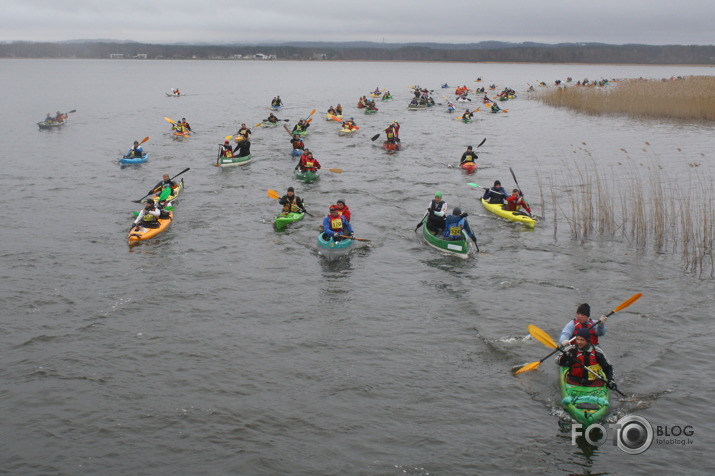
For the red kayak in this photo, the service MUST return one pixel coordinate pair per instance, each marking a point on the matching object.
(469, 167)
(391, 147)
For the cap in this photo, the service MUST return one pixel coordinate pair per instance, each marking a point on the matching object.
(291, 189)
(333, 208)
(342, 200)
(438, 194)
(584, 309)
(583, 332)
(497, 182)
(469, 147)
(457, 211)
(226, 142)
(150, 200)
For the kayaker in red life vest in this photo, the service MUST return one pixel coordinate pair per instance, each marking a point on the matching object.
(308, 163)
(335, 224)
(515, 201)
(226, 149)
(583, 354)
(583, 321)
(297, 142)
(343, 209)
(393, 132)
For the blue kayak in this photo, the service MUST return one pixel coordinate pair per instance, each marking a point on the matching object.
(134, 160)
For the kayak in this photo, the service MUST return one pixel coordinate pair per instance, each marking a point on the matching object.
(300, 133)
(182, 134)
(457, 248)
(296, 152)
(284, 219)
(391, 147)
(307, 176)
(231, 161)
(468, 167)
(332, 249)
(360, 105)
(466, 120)
(276, 108)
(173, 95)
(346, 132)
(370, 111)
(140, 233)
(134, 160)
(414, 107)
(174, 192)
(387, 98)
(375, 95)
(329, 117)
(587, 405)
(50, 125)
(516, 216)
(265, 124)
(503, 98)
(450, 109)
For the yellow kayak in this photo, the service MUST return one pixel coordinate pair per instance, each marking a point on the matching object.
(174, 192)
(516, 216)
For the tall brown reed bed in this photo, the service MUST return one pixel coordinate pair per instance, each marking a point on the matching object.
(635, 203)
(690, 98)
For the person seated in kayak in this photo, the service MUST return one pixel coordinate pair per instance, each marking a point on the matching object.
(584, 360)
(336, 226)
(370, 106)
(176, 91)
(271, 118)
(349, 124)
(436, 214)
(163, 183)
(496, 194)
(49, 118)
(495, 107)
(274, 101)
(339, 110)
(149, 215)
(301, 126)
(516, 201)
(386, 95)
(392, 133)
(178, 127)
(583, 321)
(226, 149)
(185, 124)
(297, 142)
(331, 111)
(279, 101)
(59, 117)
(376, 91)
(343, 209)
(291, 202)
(135, 151)
(244, 132)
(468, 157)
(308, 163)
(454, 224)
(243, 148)
(467, 116)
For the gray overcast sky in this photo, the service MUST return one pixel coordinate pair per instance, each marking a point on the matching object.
(654, 22)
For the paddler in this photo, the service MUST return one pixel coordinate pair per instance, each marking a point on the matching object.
(496, 194)
(164, 182)
(516, 202)
(148, 216)
(308, 163)
(336, 226)
(455, 223)
(583, 321)
(135, 151)
(436, 214)
(343, 209)
(291, 202)
(226, 149)
(469, 156)
(583, 355)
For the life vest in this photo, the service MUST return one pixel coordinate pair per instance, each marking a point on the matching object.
(591, 331)
(148, 217)
(390, 132)
(336, 224)
(291, 205)
(309, 164)
(588, 359)
(469, 158)
(435, 206)
(227, 152)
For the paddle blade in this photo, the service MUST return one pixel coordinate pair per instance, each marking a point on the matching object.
(542, 336)
(165, 194)
(144, 140)
(374, 138)
(311, 113)
(337, 171)
(525, 368)
(482, 142)
(228, 138)
(258, 125)
(73, 110)
(273, 194)
(335, 118)
(169, 120)
(628, 302)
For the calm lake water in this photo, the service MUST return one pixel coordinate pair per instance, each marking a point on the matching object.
(225, 347)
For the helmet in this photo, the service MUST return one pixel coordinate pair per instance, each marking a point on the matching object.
(438, 194)
(226, 142)
(457, 211)
(333, 207)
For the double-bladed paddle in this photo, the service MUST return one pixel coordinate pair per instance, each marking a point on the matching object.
(153, 190)
(517, 369)
(353, 238)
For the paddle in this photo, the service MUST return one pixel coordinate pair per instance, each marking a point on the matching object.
(480, 144)
(336, 171)
(517, 369)
(546, 339)
(275, 195)
(169, 120)
(516, 182)
(153, 190)
(374, 138)
(485, 188)
(421, 222)
(140, 143)
(353, 238)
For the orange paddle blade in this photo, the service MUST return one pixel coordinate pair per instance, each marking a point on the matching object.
(273, 194)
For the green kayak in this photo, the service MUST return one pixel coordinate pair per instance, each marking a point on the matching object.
(587, 405)
(284, 219)
(307, 176)
(458, 248)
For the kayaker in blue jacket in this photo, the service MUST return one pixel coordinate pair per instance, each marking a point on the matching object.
(583, 321)
(135, 151)
(455, 223)
(582, 356)
(496, 194)
(335, 225)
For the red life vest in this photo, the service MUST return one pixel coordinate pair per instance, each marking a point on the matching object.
(578, 372)
(592, 330)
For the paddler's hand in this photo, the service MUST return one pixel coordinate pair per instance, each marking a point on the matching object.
(565, 343)
(612, 385)
(602, 320)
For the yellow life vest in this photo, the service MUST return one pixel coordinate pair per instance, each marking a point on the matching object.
(336, 224)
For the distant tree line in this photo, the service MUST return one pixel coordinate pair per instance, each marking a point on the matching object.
(566, 53)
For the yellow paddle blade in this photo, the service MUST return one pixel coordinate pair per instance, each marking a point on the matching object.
(228, 138)
(144, 140)
(628, 302)
(273, 194)
(337, 171)
(258, 125)
(542, 336)
(527, 368)
(169, 120)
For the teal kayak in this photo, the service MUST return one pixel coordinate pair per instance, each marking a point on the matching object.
(232, 161)
(332, 249)
(587, 405)
(284, 219)
(307, 176)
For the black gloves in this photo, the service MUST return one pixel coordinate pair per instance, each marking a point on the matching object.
(612, 385)
(464, 215)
